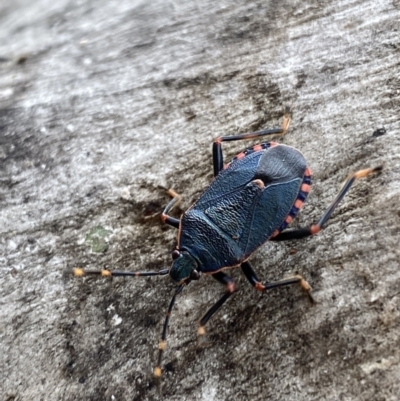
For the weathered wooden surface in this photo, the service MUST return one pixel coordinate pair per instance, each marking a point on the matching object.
(102, 105)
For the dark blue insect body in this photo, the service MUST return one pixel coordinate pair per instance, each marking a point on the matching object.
(243, 207)
(251, 200)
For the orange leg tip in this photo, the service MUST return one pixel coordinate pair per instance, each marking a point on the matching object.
(260, 287)
(363, 173)
(172, 193)
(105, 273)
(305, 286)
(157, 372)
(368, 171)
(162, 345)
(78, 272)
(286, 120)
(314, 229)
(285, 125)
(201, 331)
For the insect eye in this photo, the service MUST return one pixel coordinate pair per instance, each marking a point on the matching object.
(194, 275)
(175, 254)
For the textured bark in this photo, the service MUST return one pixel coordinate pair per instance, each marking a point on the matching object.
(104, 105)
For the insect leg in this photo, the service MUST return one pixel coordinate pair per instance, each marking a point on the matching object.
(316, 228)
(172, 221)
(259, 286)
(230, 289)
(218, 159)
(163, 342)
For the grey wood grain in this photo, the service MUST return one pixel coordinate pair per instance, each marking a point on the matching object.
(104, 105)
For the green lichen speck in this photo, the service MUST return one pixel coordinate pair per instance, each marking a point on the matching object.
(97, 238)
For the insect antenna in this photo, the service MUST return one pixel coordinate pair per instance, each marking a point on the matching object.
(79, 272)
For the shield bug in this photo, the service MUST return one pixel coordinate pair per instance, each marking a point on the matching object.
(250, 201)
